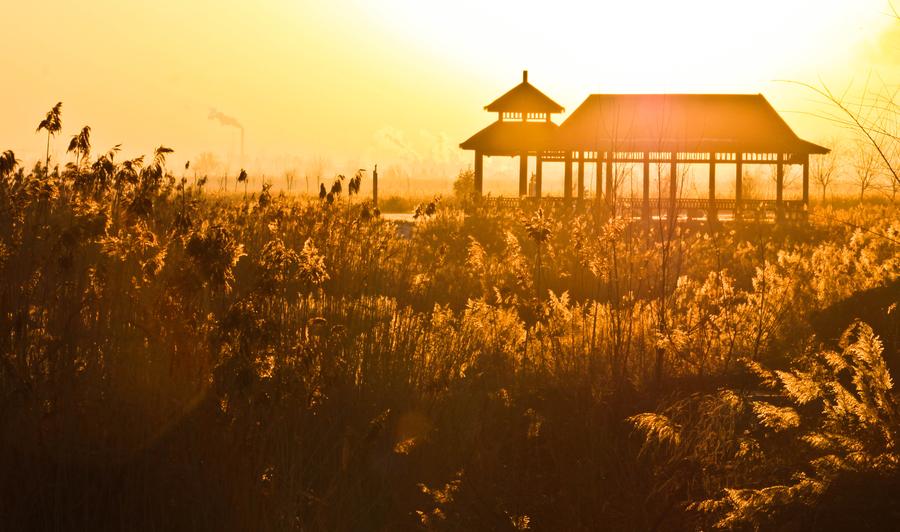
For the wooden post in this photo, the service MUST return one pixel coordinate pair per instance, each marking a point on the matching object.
(479, 173)
(538, 176)
(712, 213)
(738, 183)
(645, 207)
(673, 187)
(779, 187)
(806, 181)
(580, 175)
(523, 174)
(375, 187)
(567, 179)
(598, 190)
(610, 182)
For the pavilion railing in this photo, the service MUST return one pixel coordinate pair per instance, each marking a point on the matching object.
(689, 208)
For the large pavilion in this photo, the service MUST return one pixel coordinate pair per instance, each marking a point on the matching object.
(668, 129)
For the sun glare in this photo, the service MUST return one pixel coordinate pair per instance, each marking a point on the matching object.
(642, 46)
(328, 79)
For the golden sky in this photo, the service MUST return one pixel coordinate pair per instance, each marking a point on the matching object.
(330, 86)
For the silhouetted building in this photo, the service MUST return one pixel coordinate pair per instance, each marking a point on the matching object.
(671, 129)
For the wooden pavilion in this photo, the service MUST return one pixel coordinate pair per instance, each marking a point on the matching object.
(669, 129)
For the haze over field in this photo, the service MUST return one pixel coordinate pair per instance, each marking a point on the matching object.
(327, 87)
(682, 315)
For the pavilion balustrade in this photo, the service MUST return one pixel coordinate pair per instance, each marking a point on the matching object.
(659, 208)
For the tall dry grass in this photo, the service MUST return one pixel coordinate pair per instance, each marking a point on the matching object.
(173, 360)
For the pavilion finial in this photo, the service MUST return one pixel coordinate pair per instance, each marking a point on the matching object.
(524, 76)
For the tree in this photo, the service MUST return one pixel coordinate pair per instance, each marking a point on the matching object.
(874, 117)
(52, 123)
(206, 164)
(464, 185)
(823, 168)
(866, 164)
(316, 167)
(789, 178)
(290, 176)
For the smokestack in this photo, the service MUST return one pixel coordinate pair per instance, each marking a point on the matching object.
(524, 76)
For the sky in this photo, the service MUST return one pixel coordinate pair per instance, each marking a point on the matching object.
(325, 87)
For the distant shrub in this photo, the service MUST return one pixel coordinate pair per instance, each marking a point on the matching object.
(464, 186)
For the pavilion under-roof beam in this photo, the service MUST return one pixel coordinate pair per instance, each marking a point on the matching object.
(479, 173)
(567, 179)
(523, 174)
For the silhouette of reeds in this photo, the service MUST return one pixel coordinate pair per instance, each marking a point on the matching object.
(177, 360)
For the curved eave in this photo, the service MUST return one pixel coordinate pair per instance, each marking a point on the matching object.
(508, 138)
(812, 149)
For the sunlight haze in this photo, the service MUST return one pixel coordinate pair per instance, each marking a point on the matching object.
(326, 87)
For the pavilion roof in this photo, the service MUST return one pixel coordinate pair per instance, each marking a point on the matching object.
(524, 98)
(680, 122)
(512, 138)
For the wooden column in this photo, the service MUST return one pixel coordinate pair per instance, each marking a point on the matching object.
(479, 173)
(523, 174)
(567, 179)
(598, 190)
(806, 181)
(712, 213)
(673, 186)
(538, 176)
(581, 175)
(738, 183)
(645, 206)
(779, 187)
(610, 181)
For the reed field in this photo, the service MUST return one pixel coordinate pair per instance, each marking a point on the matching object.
(174, 359)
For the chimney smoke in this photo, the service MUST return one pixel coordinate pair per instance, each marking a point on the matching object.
(226, 120)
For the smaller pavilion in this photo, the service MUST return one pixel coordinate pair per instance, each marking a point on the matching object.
(524, 128)
(667, 129)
